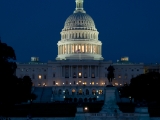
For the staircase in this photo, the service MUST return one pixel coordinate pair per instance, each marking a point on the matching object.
(46, 94)
(38, 92)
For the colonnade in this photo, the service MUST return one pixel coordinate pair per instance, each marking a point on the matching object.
(79, 35)
(79, 48)
(80, 70)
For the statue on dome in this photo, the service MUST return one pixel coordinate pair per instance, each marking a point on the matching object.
(110, 75)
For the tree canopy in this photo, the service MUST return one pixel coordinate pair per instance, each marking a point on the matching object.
(146, 86)
(143, 88)
(12, 89)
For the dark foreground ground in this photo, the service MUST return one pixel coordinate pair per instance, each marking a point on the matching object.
(63, 109)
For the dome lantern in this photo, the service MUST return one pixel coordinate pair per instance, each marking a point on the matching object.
(79, 6)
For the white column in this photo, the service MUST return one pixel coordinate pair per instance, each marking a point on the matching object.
(70, 49)
(74, 48)
(98, 49)
(84, 48)
(81, 48)
(67, 48)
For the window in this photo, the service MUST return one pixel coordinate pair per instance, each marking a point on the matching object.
(39, 84)
(125, 76)
(119, 76)
(137, 69)
(22, 70)
(53, 82)
(74, 82)
(66, 82)
(74, 75)
(45, 76)
(93, 76)
(92, 83)
(100, 92)
(54, 75)
(40, 77)
(85, 75)
(79, 75)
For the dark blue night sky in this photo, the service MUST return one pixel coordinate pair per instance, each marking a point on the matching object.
(127, 27)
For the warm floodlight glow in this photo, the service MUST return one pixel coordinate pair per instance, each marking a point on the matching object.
(40, 76)
(86, 108)
(116, 83)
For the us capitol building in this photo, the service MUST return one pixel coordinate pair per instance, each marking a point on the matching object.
(79, 70)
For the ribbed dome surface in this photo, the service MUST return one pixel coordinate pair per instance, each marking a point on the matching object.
(80, 21)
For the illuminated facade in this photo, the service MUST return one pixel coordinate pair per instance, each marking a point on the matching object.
(79, 70)
(79, 37)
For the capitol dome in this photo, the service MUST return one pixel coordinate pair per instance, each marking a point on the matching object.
(79, 37)
(79, 20)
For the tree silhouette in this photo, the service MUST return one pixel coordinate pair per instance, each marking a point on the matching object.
(146, 87)
(7, 71)
(12, 89)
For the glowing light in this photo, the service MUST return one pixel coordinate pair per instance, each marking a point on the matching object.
(86, 108)
(40, 76)
(116, 83)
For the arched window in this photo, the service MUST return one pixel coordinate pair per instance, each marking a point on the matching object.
(76, 35)
(80, 92)
(73, 92)
(94, 36)
(87, 92)
(60, 92)
(72, 35)
(93, 91)
(66, 92)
